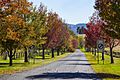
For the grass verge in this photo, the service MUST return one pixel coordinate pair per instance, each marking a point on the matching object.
(19, 65)
(105, 71)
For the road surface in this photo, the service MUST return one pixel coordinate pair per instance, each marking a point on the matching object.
(73, 67)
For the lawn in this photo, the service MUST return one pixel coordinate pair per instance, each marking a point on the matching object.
(106, 71)
(19, 65)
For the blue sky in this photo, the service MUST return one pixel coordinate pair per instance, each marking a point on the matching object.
(72, 11)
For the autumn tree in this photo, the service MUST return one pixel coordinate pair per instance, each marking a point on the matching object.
(12, 23)
(109, 13)
(96, 31)
(111, 43)
(63, 38)
(106, 35)
(73, 38)
(81, 40)
(57, 34)
(93, 32)
(75, 43)
(38, 20)
(54, 23)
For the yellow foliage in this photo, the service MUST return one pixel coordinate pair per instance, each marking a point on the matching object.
(14, 20)
(27, 42)
(12, 35)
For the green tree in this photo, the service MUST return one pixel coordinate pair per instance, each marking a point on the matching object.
(37, 20)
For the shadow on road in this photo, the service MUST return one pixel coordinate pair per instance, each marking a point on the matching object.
(68, 75)
(73, 60)
(64, 76)
(82, 64)
(77, 55)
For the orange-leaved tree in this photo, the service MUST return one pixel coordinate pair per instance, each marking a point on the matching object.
(13, 25)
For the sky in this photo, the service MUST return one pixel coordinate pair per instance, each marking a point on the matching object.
(72, 11)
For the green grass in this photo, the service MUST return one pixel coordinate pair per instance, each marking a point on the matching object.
(106, 71)
(19, 65)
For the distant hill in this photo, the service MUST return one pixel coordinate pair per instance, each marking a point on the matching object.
(74, 27)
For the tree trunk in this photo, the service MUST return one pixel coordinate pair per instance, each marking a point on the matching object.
(10, 57)
(26, 55)
(14, 54)
(62, 52)
(95, 52)
(48, 52)
(111, 55)
(92, 51)
(58, 52)
(103, 55)
(52, 53)
(5, 55)
(43, 52)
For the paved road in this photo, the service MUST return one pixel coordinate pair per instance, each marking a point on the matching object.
(73, 67)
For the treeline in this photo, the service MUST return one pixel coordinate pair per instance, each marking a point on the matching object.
(25, 27)
(104, 25)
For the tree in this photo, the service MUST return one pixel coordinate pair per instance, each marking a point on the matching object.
(54, 34)
(112, 43)
(63, 38)
(80, 30)
(57, 34)
(75, 43)
(92, 34)
(96, 30)
(109, 13)
(12, 23)
(38, 19)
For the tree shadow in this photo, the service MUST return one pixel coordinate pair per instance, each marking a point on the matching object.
(74, 60)
(77, 55)
(64, 75)
(42, 58)
(70, 75)
(106, 75)
(7, 64)
(82, 64)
